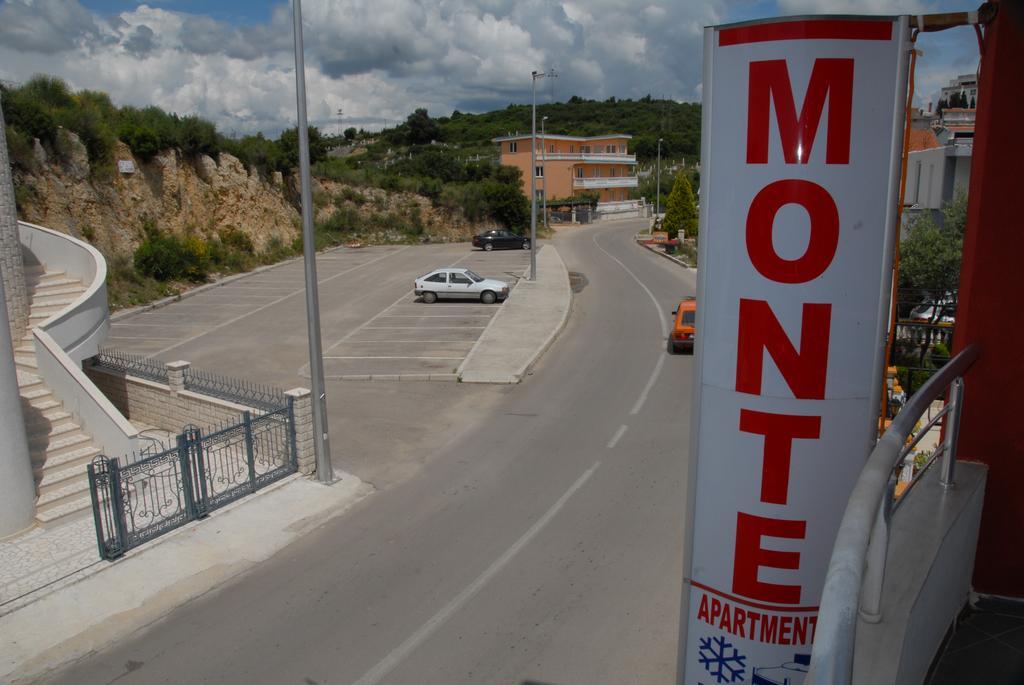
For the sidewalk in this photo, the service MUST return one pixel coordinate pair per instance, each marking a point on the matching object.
(527, 324)
(101, 602)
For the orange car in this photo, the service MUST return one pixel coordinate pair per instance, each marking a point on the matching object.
(683, 331)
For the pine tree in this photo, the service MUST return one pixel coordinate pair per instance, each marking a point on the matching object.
(680, 209)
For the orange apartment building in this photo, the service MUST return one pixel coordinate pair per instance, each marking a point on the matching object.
(574, 165)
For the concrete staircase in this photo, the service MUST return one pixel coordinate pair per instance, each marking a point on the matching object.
(59, 448)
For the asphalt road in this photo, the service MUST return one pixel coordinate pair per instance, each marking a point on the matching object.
(529, 533)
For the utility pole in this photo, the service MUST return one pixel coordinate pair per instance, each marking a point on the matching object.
(657, 206)
(321, 443)
(533, 175)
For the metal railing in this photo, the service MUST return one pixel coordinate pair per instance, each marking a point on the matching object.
(605, 182)
(856, 570)
(264, 397)
(135, 502)
(131, 364)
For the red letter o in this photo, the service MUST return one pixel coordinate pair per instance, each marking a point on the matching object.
(821, 247)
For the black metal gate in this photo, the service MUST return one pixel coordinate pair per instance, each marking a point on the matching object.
(138, 502)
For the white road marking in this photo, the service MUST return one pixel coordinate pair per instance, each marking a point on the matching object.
(650, 384)
(273, 302)
(618, 436)
(406, 342)
(437, 316)
(395, 657)
(661, 320)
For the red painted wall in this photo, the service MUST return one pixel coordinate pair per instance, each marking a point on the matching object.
(991, 306)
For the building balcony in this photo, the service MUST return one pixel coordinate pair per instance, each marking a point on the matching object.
(592, 157)
(605, 182)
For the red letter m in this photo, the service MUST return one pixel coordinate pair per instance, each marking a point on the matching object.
(770, 81)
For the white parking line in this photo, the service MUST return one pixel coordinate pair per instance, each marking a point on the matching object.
(414, 328)
(437, 316)
(273, 302)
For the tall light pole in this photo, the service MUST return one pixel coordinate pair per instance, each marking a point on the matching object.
(544, 168)
(533, 175)
(321, 443)
(657, 206)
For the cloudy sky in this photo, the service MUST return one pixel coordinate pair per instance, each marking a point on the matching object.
(232, 62)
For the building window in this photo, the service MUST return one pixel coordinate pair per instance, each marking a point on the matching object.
(513, 147)
(585, 149)
(551, 148)
(579, 172)
(538, 171)
(572, 148)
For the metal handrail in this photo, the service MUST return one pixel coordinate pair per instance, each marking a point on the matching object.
(866, 518)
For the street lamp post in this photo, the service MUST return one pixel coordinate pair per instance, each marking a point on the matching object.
(321, 444)
(544, 168)
(533, 174)
(657, 205)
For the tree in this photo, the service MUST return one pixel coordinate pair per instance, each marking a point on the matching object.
(288, 144)
(350, 133)
(422, 129)
(680, 208)
(930, 258)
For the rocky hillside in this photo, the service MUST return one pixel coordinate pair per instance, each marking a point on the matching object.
(205, 196)
(179, 195)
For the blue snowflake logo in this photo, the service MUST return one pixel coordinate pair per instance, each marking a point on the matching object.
(721, 659)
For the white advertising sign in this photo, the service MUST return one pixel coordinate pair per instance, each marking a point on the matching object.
(802, 134)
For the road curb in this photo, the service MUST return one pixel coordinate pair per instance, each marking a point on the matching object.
(550, 294)
(667, 256)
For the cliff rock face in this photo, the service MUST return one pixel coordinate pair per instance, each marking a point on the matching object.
(180, 196)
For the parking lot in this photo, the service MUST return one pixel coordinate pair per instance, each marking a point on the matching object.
(415, 341)
(373, 327)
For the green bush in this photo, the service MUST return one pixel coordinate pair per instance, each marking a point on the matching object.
(143, 142)
(167, 257)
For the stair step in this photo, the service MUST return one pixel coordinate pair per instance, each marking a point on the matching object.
(52, 290)
(60, 514)
(70, 490)
(33, 269)
(82, 455)
(42, 273)
(52, 304)
(49, 449)
(34, 391)
(46, 402)
(39, 316)
(50, 479)
(28, 380)
(44, 432)
(25, 348)
(25, 361)
(49, 417)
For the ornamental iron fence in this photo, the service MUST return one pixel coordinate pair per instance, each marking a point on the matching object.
(135, 503)
(263, 397)
(131, 364)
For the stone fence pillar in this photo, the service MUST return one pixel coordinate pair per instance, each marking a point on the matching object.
(303, 407)
(176, 375)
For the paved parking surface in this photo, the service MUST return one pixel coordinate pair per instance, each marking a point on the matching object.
(410, 340)
(367, 332)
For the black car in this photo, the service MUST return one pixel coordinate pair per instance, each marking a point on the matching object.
(500, 239)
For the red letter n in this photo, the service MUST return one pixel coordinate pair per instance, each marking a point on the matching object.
(751, 556)
(779, 431)
(769, 81)
(804, 370)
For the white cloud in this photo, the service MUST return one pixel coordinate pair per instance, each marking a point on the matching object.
(379, 59)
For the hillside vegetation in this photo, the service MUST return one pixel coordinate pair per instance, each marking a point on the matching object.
(207, 203)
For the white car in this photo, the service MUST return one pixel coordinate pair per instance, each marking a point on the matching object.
(456, 282)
